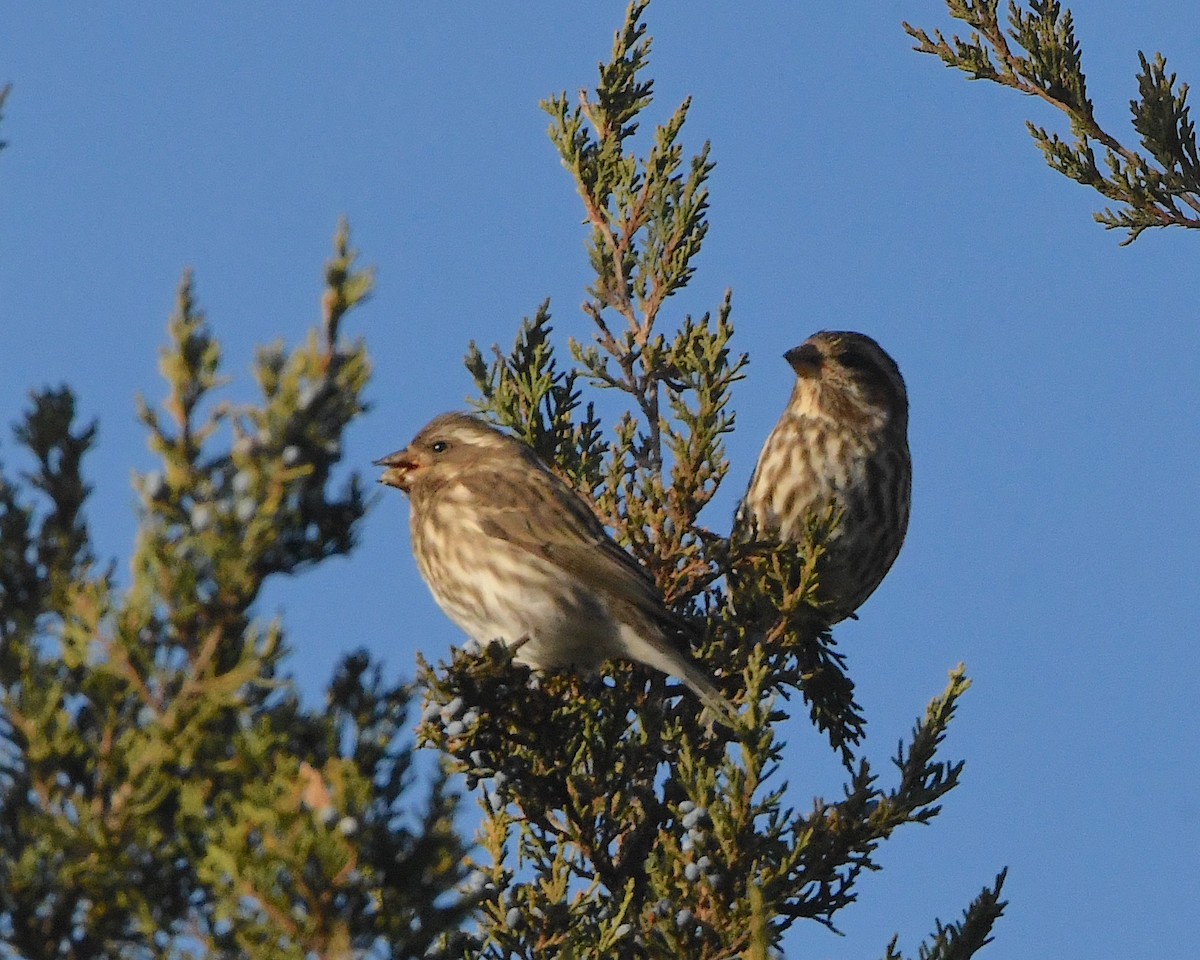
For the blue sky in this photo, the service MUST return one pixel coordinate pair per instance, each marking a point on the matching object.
(1052, 373)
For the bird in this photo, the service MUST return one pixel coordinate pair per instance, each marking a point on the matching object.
(512, 553)
(841, 443)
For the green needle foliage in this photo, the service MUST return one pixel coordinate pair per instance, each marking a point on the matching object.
(163, 791)
(616, 822)
(1038, 55)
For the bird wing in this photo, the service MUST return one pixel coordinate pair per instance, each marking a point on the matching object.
(539, 513)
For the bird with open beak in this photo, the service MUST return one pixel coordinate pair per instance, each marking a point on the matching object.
(511, 553)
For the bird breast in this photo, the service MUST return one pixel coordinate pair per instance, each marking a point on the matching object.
(804, 467)
(496, 590)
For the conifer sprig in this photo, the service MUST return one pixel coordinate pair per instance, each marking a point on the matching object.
(1037, 54)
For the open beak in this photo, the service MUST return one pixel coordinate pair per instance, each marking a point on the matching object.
(399, 466)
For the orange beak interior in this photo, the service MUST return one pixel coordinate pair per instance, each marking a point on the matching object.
(399, 466)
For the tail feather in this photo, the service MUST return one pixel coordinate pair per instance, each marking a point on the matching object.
(677, 663)
(698, 682)
(654, 648)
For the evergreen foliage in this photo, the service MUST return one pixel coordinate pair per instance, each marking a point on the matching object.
(615, 824)
(163, 791)
(1039, 55)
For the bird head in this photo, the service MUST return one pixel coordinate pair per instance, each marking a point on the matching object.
(849, 374)
(443, 448)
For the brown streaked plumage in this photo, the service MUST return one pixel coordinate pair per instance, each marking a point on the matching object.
(843, 441)
(512, 553)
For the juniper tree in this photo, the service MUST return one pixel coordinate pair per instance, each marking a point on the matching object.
(1038, 55)
(163, 790)
(615, 823)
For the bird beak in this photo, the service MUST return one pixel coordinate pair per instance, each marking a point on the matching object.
(399, 465)
(805, 359)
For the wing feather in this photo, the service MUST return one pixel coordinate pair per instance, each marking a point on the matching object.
(550, 520)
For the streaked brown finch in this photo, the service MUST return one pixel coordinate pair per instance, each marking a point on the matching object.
(842, 442)
(512, 553)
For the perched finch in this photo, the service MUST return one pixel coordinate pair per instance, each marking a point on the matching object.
(843, 442)
(512, 553)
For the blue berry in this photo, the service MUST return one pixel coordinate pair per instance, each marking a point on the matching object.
(201, 516)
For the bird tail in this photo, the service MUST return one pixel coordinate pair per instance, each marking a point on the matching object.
(697, 681)
(678, 664)
(654, 648)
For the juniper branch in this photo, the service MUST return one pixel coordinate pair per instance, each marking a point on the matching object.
(1039, 55)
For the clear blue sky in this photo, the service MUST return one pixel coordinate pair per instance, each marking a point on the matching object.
(1052, 374)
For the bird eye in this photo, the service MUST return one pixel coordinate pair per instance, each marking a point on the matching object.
(854, 359)
(439, 446)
